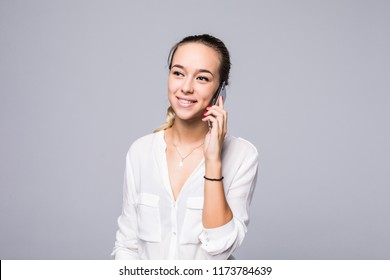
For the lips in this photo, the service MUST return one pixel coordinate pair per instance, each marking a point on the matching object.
(185, 102)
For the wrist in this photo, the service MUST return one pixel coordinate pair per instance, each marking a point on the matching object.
(213, 168)
(213, 162)
(213, 158)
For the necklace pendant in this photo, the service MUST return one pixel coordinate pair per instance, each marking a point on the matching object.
(181, 164)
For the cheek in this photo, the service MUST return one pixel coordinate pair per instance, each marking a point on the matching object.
(173, 85)
(208, 96)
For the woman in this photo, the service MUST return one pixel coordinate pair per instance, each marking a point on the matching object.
(188, 186)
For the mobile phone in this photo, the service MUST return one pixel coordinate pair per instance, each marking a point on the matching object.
(221, 91)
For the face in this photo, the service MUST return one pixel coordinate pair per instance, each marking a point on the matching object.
(193, 80)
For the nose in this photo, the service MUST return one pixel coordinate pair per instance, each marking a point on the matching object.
(187, 86)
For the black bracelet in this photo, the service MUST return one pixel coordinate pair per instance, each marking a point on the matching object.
(211, 179)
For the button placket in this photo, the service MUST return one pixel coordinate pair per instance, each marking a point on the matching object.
(173, 247)
(174, 219)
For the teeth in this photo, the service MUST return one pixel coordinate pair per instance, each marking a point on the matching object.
(185, 101)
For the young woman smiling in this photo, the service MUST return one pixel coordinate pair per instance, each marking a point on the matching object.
(188, 185)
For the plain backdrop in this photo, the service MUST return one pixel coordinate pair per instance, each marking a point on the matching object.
(310, 88)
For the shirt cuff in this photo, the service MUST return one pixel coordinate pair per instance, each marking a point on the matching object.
(219, 239)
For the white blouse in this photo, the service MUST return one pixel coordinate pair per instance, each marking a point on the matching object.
(155, 226)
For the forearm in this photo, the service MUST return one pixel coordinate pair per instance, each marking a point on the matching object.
(216, 210)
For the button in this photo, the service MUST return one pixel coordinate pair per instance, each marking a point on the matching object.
(174, 233)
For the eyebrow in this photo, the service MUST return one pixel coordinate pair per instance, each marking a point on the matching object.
(198, 70)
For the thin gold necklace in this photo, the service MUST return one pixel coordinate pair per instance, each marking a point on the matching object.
(183, 158)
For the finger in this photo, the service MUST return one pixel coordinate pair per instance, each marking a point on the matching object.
(210, 118)
(225, 122)
(220, 102)
(215, 127)
(217, 120)
(218, 112)
(216, 109)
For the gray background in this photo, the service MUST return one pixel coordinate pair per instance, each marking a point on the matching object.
(81, 80)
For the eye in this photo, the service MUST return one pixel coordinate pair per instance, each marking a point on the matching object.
(177, 73)
(203, 78)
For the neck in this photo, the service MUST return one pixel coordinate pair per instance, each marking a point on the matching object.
(189, 133)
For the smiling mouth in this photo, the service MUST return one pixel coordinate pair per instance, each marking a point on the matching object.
(185, 101)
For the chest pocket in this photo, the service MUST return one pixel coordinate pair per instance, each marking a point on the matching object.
(192, 225)
(148, 217)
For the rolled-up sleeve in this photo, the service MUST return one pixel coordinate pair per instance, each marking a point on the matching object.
(126, 246)
(220, 242)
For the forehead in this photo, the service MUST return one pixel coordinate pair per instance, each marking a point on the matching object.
(198, 56)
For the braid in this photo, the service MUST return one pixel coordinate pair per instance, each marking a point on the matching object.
(170, 120)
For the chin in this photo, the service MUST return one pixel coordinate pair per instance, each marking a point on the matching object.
(194, 111)
(188, 116)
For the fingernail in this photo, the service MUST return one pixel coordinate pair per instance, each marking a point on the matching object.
(208, 107)
(205, 112)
